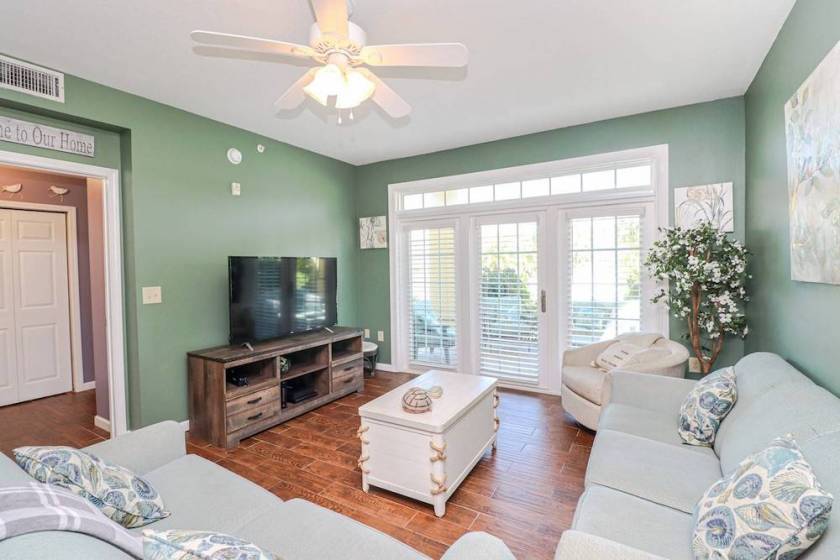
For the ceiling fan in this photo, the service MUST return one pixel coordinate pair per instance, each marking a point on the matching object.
(338, 47)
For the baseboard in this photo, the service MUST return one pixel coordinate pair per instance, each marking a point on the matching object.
(186, 425)
(86, 386)
(386, 367)
(102, 423)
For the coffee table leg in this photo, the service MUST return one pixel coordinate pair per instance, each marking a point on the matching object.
(363, 457)
(440, 505)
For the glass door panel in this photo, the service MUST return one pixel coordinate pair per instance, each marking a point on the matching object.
(509, 300)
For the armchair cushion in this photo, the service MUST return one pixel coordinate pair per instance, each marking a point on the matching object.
(588, 382)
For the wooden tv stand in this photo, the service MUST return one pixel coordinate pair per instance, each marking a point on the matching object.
(328, 363)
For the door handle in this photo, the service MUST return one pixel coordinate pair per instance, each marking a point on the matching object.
(542, 300)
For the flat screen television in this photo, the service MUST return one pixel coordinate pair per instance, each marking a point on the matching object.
(272, 297)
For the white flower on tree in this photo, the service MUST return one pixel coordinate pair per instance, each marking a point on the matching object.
(706, 274)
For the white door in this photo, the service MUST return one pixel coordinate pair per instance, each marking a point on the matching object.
(509, 298)
(8, 364)
(41, 306)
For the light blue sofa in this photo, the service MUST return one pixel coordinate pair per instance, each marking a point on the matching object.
(203, 495)
(642, 482)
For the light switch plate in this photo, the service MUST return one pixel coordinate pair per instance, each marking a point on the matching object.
(235, 189)
(694, 365)
(152, 294)
(367, 333)
(380, 336)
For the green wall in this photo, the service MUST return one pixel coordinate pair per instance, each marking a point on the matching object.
(180, 221)
(795, 319)
(706, 146)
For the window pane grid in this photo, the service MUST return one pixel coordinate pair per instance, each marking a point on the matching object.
(604, 278)
(432, 331)
(604, 179)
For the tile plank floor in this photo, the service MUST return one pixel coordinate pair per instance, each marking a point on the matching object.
(524, 493)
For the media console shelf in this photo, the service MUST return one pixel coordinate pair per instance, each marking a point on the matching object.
(324, 366)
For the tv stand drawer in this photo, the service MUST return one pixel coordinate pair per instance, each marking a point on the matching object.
(253, 400)
(350, 369)
(259, 414)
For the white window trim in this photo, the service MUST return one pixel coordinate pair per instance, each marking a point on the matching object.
(556, 205)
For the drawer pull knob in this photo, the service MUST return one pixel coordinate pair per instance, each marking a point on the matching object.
(255, 401)
(255, 416)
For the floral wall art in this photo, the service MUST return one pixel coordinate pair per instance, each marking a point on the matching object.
(705, 203)
(812, 119)
(373, 232)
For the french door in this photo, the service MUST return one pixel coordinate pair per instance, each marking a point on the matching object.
(509, 297)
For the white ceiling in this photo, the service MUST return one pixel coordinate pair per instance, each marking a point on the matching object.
(535, 64)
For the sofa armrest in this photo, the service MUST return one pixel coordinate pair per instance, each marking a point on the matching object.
(478, 546)
(145, 449)
(576, 545)
(649, 391)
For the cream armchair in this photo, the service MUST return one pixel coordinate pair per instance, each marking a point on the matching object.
(585, 389)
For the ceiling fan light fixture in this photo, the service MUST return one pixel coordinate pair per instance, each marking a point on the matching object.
(357, 89)
(328, 82)
(350, 88)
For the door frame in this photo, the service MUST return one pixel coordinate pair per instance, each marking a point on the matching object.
(74, 288)
(114, 303)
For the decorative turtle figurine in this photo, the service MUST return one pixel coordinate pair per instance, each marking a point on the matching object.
(418, 400)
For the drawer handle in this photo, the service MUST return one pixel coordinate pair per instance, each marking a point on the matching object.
(255, 401)
(348, 380)
(348, 368)
(255, 416)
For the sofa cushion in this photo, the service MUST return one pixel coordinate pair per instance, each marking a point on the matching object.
(757, 374)
(119, 493)
(648, 424)
(634, 522)
(301, 530)
(663, 473)
(823, 454)
(202, 495)
(59, 545)
(803, 410)
(588, 382)
(771, 506)
(706, 405)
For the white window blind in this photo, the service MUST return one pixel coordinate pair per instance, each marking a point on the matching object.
(605, 277)
(509, 301)
(432, 332)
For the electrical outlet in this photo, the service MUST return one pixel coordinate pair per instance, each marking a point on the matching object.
(235, 189)
(367, 333)
(694, 365)
(152, 294)
(380, 336)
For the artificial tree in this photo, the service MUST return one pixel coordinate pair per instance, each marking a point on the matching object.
(705, 270)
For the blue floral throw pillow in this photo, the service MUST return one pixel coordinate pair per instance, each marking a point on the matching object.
(117, 492)
(706, 406)
(770, 507)
(199, 545)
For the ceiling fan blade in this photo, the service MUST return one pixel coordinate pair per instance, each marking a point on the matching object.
(331, 16)
(295, 95)
(422, 54)
(255, 44)
(385, 97)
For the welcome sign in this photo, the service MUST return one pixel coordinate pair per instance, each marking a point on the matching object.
(41, 136)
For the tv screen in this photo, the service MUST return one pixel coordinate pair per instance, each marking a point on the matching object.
(271, 297)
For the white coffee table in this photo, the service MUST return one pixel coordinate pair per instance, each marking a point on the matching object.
(426, 456)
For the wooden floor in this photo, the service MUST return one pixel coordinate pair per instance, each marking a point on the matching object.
(525, 493)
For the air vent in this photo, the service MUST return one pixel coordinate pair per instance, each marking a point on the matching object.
(28, 78)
